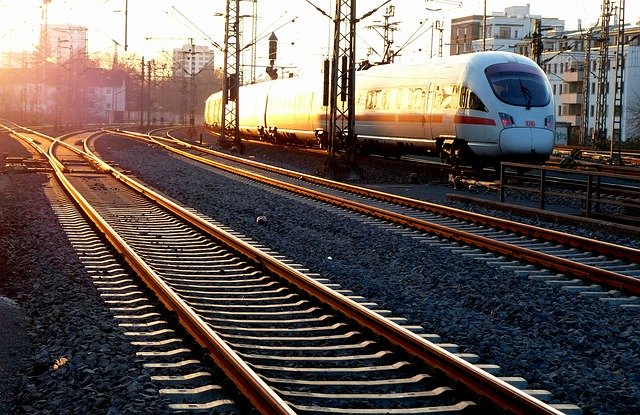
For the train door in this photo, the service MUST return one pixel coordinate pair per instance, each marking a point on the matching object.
(446, 97)
(426, 118)
(436, 118)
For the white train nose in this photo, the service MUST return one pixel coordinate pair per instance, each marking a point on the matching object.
(519, 140)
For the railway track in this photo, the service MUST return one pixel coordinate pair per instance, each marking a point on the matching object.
(614, 268)
(612, 197)
(603, 160)
(207, 291)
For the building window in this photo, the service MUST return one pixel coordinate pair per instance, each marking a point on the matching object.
(592, 110)
(559, 110)
(505, 33)
(554, 89)
(593, 87)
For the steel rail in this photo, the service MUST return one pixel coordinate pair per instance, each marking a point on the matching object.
(52, 160)
(247, 381)
(599, 247)
(583, 271)
(481, 382)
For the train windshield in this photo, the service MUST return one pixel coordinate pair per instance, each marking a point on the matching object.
(518, 84)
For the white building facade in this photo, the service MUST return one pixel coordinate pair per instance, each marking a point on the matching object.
(190, 60)
(64, 42)
(568, 72)
(503, 31)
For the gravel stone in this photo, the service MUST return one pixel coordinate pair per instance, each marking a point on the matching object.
(582, 350)
(560, 341)
(41, 274)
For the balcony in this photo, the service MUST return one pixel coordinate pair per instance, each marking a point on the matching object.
(571, 119)
(573, 75)
(570, 98)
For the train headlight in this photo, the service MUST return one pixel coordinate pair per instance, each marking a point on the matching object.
(507, 120)
(550, 122)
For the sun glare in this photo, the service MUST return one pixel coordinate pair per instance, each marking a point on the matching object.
(19, 25)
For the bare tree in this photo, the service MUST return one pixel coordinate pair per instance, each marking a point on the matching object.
(633, 117)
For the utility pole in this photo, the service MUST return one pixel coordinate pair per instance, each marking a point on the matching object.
(618, 89)
(126, 24)
(23, 91)
(440, 29)
(149, 64)
(142, 93)
(484, 27)
(536, 41)
(45, 49)
(342, 141)
(387, 34)
(191, 132)
(600, 131)
(229, 134)
(254, 33)
(586, 81)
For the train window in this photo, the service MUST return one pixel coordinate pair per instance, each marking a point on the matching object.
(405, 99)
(397, 102)
(446, 96)
(438, 97)
(392, 99)
(372, 99)
(469, 100)
(451, 96)
(360, 100)
(418, 99)
(518, 84)
(384, 102)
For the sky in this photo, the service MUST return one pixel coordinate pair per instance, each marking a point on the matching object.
(303, 32)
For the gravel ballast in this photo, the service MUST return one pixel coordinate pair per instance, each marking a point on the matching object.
(71, 357)
(584, 351)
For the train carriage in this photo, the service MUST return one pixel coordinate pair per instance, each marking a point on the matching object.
(475, 109)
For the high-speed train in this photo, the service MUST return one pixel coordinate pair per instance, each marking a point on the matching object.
(474, 109)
